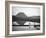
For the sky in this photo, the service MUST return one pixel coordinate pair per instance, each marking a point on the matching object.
(28, 11)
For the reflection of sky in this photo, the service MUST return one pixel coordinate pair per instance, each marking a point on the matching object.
(29, 11)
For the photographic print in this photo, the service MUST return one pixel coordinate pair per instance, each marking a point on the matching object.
(25, 18)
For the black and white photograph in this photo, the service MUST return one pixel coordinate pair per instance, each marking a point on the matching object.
(25, 18)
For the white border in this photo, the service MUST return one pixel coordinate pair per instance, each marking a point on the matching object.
(24, 32)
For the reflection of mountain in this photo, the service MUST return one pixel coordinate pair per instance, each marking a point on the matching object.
(21, 18)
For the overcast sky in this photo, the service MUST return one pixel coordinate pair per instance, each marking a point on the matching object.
(29, 11)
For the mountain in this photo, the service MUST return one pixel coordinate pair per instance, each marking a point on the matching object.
(21, 18)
